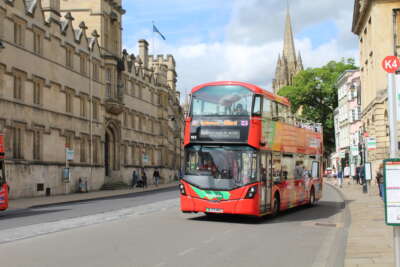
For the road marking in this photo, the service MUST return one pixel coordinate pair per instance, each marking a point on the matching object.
(10, 235)
(160, 264)
(209, 240)
(228, 231)
(187, 251)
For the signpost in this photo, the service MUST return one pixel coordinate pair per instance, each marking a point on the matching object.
(392, 191)
(391, 64)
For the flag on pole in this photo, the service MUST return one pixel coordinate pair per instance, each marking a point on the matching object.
(157, 31)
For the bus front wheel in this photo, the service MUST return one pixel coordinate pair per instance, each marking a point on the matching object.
(312, 198)
(276, 206)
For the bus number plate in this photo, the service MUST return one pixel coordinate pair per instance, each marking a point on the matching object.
(213, 210)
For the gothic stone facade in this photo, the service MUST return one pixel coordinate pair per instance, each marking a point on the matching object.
(65, 82)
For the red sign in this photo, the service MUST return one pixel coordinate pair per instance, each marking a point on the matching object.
(390, 64)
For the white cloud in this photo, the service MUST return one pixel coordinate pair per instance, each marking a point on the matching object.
(254, 40)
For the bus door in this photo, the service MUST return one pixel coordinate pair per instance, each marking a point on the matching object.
(266, 181)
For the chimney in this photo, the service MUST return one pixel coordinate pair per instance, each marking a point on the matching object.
(51, 9)
(144, 52)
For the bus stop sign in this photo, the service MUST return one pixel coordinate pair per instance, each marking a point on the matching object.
(392, 191)
(390, 64)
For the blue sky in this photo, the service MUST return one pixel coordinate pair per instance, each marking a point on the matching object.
(239, 39)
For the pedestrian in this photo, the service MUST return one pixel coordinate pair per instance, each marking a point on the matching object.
(156, 177)
(144, 178)
(134, 179)
(380, 181)
(346, 173)
(358, 170)
(340, 178)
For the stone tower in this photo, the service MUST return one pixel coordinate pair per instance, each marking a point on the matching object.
(288, 64)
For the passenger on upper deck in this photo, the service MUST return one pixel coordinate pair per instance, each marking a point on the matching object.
(239, 110)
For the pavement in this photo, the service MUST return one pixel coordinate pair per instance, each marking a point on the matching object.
(25, 203)
(369, 240)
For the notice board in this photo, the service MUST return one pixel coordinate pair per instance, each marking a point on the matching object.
(392, 191)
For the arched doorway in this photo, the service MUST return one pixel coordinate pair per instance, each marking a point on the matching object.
(111, 149)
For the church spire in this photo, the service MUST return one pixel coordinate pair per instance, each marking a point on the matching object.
(288, 64)
(289, 51)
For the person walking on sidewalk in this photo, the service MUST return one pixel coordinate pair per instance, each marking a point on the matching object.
(156, 177)
(134, 179)
(380, 181)
(340, 178)
(144, 178)
(346, 173)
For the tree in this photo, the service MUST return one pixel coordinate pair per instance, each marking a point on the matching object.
(314, 93)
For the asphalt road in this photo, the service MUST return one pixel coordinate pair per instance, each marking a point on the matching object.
(149, 230)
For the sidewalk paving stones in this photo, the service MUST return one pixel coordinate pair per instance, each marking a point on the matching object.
(370, 240)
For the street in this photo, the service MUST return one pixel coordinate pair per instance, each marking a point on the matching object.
(149, 230)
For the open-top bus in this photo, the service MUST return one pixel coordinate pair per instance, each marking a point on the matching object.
(3, 183)
(245, 153)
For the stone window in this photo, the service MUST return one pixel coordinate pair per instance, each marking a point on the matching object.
(69, 100)
(140, 91)
(95, 106)
(37, 91)
(125, 118)
(125, 153)
(17, 143)
(37, 145)
(83, 63)
(37, 41)
(133, 89)
(69, 140)
(2, 15)
(96, 71)
(19, 85)
(108, 82)
(96, 157)
(133, 121)
(69, 56)
(83, 101)
(19, 32)
(83, 149)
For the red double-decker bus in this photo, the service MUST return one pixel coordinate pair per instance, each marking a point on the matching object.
(3, 182)
(245, 153)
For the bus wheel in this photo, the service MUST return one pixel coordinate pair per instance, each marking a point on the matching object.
(312, 198)
(276, 205)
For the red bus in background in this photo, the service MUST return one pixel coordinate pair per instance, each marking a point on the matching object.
(245, 153)
(3, 182)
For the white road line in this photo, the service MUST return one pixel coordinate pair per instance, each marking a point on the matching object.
(209, 240)
(30, 231)
(187, 251)
(160, 264)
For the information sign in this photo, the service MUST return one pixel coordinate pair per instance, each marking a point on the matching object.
(371, 143)
(70, 154)
(390, 64)
(392, 191)
(368, 171)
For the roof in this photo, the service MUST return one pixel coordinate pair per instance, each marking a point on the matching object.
(254, 88)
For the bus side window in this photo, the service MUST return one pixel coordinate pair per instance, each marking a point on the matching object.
(267, 108)
(288, 166)
(276, 167)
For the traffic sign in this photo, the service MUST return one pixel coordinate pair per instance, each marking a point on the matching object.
(390, 64)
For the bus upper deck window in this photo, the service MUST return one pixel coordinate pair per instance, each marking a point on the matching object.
(257, 105)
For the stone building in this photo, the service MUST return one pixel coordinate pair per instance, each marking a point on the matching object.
(65, 82)
(288, 64)
(348, 120)
(373, 23)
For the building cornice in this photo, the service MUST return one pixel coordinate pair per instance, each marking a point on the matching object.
(361, 8)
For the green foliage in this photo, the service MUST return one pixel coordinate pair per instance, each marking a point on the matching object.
(314, 92)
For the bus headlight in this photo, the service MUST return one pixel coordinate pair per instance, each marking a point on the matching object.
(182, 189)
(251, 192)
